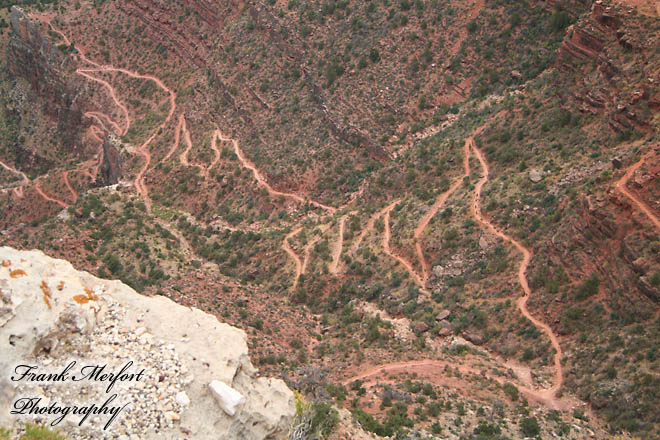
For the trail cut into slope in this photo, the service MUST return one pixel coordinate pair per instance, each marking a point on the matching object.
(46, 197)
(271, 191)
(287, 248)
(522, 277)
(16, 186)
(440, 201)
(386, 247)
(336, 252)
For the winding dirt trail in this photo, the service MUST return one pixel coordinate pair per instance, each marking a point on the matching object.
(550, 393)
(623, 189)
(217, 136)
(287, 248)
(69, 187)
(271, 191)
(386, 247)
(182, 127)
(440, 201)
(113, 95)
(387, 233)
(46, 197)
(16, 187)
(432, 368)
(336, 252)
(183, 157)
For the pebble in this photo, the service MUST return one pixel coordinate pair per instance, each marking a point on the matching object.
(154, 404)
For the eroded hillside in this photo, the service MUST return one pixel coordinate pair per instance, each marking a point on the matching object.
(441, 216)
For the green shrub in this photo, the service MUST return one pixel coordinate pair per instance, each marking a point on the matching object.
(510, 390)
(530, 427)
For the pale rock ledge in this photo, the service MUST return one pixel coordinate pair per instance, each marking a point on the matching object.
(184, 352)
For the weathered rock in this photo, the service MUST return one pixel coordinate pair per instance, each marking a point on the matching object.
(228, 398)
(182, 398)
(111, 167)
(444, 332)
(421, 327)
(535, 176)
(199, 349)
(444, 314)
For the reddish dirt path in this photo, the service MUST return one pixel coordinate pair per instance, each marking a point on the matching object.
(385, 213)
(182, 127)
(143, 149)
(273, 192)
(621, 187)
(336, 252)
(217, 136)
(16, 187)
(386, 247)
(177, 138)
(440, 201)
(550, 393)
(113, 95)
(287, 248)
(434, 370)
(183, 157)
(37, 187)
(68, 185)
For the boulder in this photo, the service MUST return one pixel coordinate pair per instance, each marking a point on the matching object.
(443, 315)
(421, 327)
(228, 398)
(535, 176)
(445, 324)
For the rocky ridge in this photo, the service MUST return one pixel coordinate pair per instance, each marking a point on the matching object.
(51, 315)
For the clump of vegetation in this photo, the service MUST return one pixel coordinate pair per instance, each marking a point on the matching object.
(33, 432)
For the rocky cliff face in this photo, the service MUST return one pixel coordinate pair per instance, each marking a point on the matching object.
(33, 56)
(51, 315)
(111, 165)
(603, 38)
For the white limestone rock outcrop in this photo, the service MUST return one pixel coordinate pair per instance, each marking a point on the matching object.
(51, 314)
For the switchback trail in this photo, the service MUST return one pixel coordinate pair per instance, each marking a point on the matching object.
(262, 181)
(183, 157)
(440, 201)
(385, 213)
(17, 187)
(622, 188)
(287, 248)
(182, 127)
(68, 185)
(336, 252)
(550, 393)
(433, 367)
(37, 187)
(386, 246)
